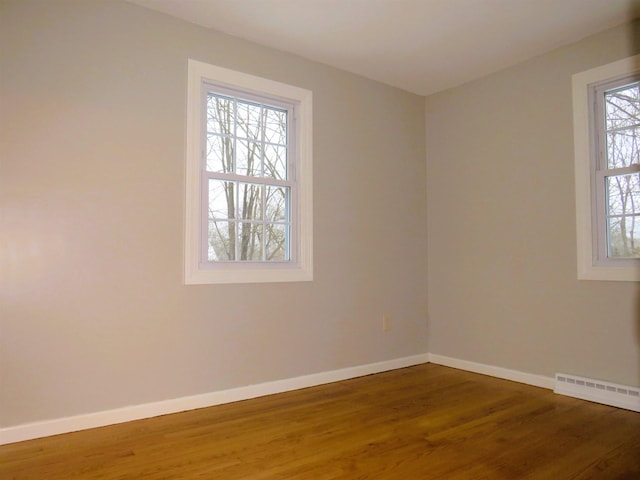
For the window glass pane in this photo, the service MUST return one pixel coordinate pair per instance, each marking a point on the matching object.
(221, 238)
(623, 222)
(219, 154)
(622, 119)
(623, 194)
(248, 158)
(256, 240)
(220, 114)
(277, 242)
(622, 148)
(276, 204)
(624, 237)
(221, 200)
(251, 241)
(622, 107)
(275, 161)
(275, 130)
(250, 201)
(248, 118)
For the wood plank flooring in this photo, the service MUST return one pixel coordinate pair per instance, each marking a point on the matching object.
(423, 422)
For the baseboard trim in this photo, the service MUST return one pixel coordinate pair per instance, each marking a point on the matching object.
(493, 371)
(137, 412)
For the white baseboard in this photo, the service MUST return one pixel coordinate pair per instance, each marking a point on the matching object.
(137, 412)
(499, 372)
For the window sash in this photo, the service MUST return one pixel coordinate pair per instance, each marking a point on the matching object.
(237, 219)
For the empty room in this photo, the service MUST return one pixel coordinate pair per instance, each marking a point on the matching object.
(319, 239)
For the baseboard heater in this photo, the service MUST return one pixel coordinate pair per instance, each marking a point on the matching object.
(598, 391)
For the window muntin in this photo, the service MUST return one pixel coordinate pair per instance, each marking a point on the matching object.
(251, 190)
(616, 121)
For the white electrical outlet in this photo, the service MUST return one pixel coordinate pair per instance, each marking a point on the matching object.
(386, 323)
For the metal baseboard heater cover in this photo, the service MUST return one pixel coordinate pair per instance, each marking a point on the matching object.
(607, 393)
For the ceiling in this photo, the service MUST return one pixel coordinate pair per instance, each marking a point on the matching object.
(422, 46)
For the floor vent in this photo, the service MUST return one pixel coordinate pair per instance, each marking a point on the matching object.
(607, 393)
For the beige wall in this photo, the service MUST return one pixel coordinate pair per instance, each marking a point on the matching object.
(94, 314)
(501, 225)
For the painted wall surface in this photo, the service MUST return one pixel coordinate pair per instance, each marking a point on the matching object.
(93, 311)
(501, 225)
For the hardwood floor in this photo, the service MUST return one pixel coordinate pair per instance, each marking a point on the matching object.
(423, 422)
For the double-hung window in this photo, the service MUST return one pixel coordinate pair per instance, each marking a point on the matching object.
(249, 209)
(607, 144)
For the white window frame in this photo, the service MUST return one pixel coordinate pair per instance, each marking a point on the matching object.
(300, 267)
(591, 264)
